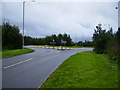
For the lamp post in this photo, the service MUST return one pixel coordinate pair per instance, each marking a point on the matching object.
(24, 20)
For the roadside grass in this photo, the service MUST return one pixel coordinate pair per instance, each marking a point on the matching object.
(57, 46)
(9, 53)
(72, 46)
(85, 70)
(36, 45)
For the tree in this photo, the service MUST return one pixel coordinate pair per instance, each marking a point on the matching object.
(117, 38)
(99, 39)
(85, 44)
(11, 38)
(60, 37)
(69, 40)
(48, 40)
(107, 42)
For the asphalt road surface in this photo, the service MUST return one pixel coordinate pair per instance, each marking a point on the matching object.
(32, 69)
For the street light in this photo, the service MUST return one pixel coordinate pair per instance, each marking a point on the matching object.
(24, 19)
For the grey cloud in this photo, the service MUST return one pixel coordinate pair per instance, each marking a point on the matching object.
(52, 18)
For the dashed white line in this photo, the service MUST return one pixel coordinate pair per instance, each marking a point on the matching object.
(17, 63)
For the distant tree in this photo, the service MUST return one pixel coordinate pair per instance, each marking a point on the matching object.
(53, 39)
(48, 40)
(85, 44)
(80, 43)
(69, 40)
(60, 37)
(28, 40)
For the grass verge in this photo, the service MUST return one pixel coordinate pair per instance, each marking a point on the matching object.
(56, 46)
(9, 53)
(72, 47)
(85, 70)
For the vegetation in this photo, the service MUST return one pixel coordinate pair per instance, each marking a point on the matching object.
(107, 42)
(85, 70)
(58, 41)
(57, 46)
(85, 44)
(72, 47)
(0, 37)
(50, 40)
(11, 38)
(9, 53)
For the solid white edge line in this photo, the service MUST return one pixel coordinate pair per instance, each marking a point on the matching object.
(17, 63)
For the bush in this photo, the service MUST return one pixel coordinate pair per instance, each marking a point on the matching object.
(100, 39)
(107, 42)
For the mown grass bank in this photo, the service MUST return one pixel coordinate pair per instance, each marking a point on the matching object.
(85, 70)
(10, 53)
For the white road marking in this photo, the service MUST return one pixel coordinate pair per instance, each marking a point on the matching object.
(17, 63)
(6, 67)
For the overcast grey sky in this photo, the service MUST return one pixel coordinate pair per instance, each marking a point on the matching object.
(75, 18)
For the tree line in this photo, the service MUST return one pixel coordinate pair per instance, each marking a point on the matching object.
(85, 43)
(57, 40)
(107, 42)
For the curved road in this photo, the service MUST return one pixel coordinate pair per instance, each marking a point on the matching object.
(32, 69)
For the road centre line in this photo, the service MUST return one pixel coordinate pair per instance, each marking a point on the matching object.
(17, 63)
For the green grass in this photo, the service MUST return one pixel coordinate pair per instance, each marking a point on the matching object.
(57, 46)
(36, 45)
(9, 53)
(85, 70)
(72, 46)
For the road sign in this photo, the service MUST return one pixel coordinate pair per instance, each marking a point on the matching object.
(63, 41)
(53, 40)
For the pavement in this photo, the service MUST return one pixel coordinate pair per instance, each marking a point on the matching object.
(32, 69)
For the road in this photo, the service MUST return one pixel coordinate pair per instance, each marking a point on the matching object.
(32, 69)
